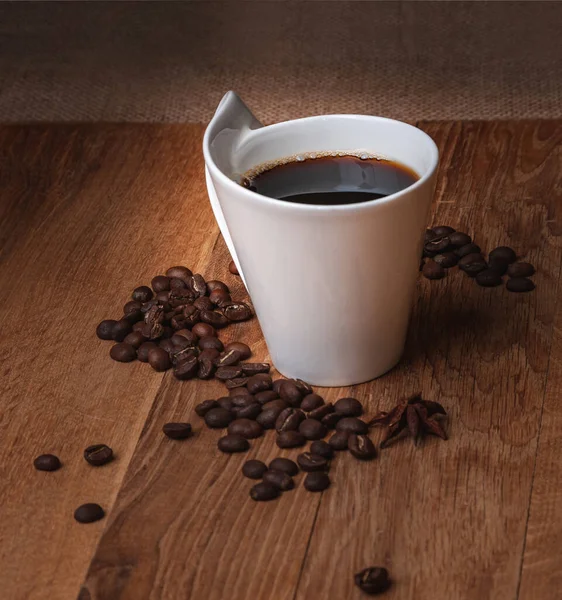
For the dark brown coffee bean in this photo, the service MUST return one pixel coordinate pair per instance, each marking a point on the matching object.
(228, 358)
(329, 421)
(226, 402)
(178, 322)
(303, 387)
(259, 383)
(163, 299)
(233, 268)
(488, 278)
(433, 270)
(206, 368)
(209, 354)
(290, 393)
(268, 417)
(181, 342)
(144, 349)
(289, 419)
(429, 235)
(233, 443)
(446, 260)
(159, 359)
(160, 283)
(255, 368)
(187, 368)
(277, 385)
(290, 439)
(168, 346)
(131, 306)
(265, 396)
(442, 230)
(181, 297)
(192, 339)
(472, 264)
(498, 266)
(349, 407)
(138, 326)
(279, 479)
(311, 402)
(352, 425)
(467, 249)
(373, 580)
(286, 465)
(276, 404)
(204, 407)
(98, 454)
(361, 447)
(244, 349)
(198, 285)
(105, 329)
(520, 269)
(186, 355)
(311, 462)
(251, 411)
(123, 352)
(215, 284)
(177, 284)
(237, 382)
(219, 297)
(320, 412)
(121, 330)
(246, 428)
(237, 311)
(225, 373)
(203, 330)
(142, 294)
(262, 492)
(312, 429)
(177, 431)
(190, 316)
(179, 273)
(47, 462)
(437, 245)
(316, 481)
(254, 469)
(459, 239)
(203, 303)
(135, 338)
(239, 391)
(339, 440)
(211, 342)
(88, 513)
(216, 319)
(520, 284)
(503, 253)
(322, 448)
(245, 400)
(134, 317)
(218, 418)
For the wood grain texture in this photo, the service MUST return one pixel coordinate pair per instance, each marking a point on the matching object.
(89, 212)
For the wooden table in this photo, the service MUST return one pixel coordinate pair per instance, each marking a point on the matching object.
(89, 212)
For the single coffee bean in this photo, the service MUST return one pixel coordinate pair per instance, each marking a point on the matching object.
(433, 270)
(268, 417)
(177, 284)
(186, 368)
(168, 346)
(290, 439)
(262, 492)
(179, 273)
(312, 429)
(237, 311)
(142, 294)
(330, 421)
(373, 580)
(123, 352)
(187, 354)
(180, 342)
(203, 303)
(178, 322)
(361, 447)
(311, 402)
(244, 400)
(311, 462)
(429, 235)
(209, 354)
(215, 284)
(239, 391)
(131, 307)
(254, 469)
(88, 513)
(276, 404)
(204, 407)
(279, 479)
(246, 428)
(180, 298)
(446, 260)
(219, 297)
(286, 465)
(47, 462)
(98, 454)
(190, 315)
(442, 230)
(203, 330)
(499, 266)
(135, 338)
(134, 317)
(233, 268)
(289, 419)
(488, 278)
(244, 349)
(290, 392)
(252, 411)
(210, 342)
(303, 387)
(322, 448)
(352, 425)
(467, 249)
(228, 358)
(339, 440)
(437, 245)
(198, 285)
(188, 335)
(144, 349)
(255, 368)
(159, 359)
(206, 368)
(316, 481)
(225, 373)
(277, 385)
(160, 283)
(320, 412)
(226, 403)
(233, 443)
(459, 239)
(503, 253)
(163, 298)
(520, 284)
(105, 329)
(177, 431)
(237, 382)
(259, 383)
(218, 418)
(121, 330)
(266, 396)
(472, 264)
(349, 407)
(216, 319)
(520, 269)
(138, 326)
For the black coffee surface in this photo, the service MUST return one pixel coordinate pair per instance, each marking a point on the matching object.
(333, 180)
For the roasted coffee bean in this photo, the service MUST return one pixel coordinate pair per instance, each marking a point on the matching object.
(203, 330)
(177, 431)
(135, 338)
(329, 421)
(152, 331)
(289, 419)
(277, 385)
(237, 382)
(268, 417)
(160, 283)
(203, 303)
(98, 454)
(144, 349)
(277, 404)
(88, 513)
(442, 230)
(322, 448)
(433, 270)
(262, 492)
(503, 253)
(251, 411)
(181, 342)
(204, 407)
(206, 368)
(121, 330)
(265, 396)
(163, 298)
(180, 297)
(311, 462)
(218, 418)
(123, 352)
(177, 284)
(139, 326)
(226, 402)
(237, 311)
(169, 346)
(520, 284)
(437, 245)
(186, 368)
(239, 391)
(228, 358)
(47, 462)
(320, 412)
(243, 400)
(459, 239)
(142, 294)
(105, 329)
(131, 306)
(219, 297)
(134, 317)
(291, 393)
(352, 425)
(244, 349)
(349, 407)
(312, 429)
(279, 479)
(198, 285)
(255, 368)
(339, 440)
(146, 306)
(179, 272)
(178, 322)
(467, 249)
(373, 580)
(446, 260)
(167, 332)
(361, 447)
(159, 359)
(311, 402)
(190, 315)
(499, 266)
(187, 354)
(209, 354)
(211, 342)
(246, 427)
(316, 481)
(233, 268)
(225, 373)
(472, 264)
(254, 469)
(290, 439)
(259, 383)
(429, 235)
(233, 443)
(488, 278)
(520, 269)
(303, 387)
(216, 319)
(215, 284)
(286, 465)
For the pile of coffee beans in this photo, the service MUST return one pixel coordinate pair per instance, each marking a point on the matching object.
(445, 248)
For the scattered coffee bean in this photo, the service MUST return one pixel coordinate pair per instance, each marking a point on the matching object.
(520, 269)
(138, 326)
(135, 338)
(237, 382)
(218, 418)
(262, 492)
(163, 298)
(254, 469)
(219, 297)
(233, 443)
(215, 284)
(467, 249)
(373, 580)
(246, 428)
(98, 454)
(499, 266)
(312, 429)
(47, 462)
(488, 278)
(144, 349)
(290, 439)
(361, 447)
(179, 273)
(436, 246)
(352, 425)
(159, 359)
(88, 513)
(123, 352)
(241, 401)
(429, 235)
(216, 319)
(142, 294)
(239, 391)
(187, 368)
(277, 385)
(121, 330)
(266, 396)
(169, 347)
(330, 420)
(209, 354)
(175, 284)
(316, 481)
(160, 283)
(320, 412)
(268, 417)
(191, 337)
(290, 392)
(244, 349)
(177, 431)
(233, 268)
(503, 253)
(251, 411)
(198, 285)
(303, 387)
(180, 341)
(204, 407)
(289, 419)
(203, 303)
(251, 369)
(472, 264)
(226, 373)
(286, 465)
(459, 239)
(226, 403)
(210, 342)
(442, 230)
(446, 260)
(228, 358)
(322, 448)
(105, 329)
(206, 368)
(312, 462)
(311, 401)
(279, 479)
(259, 383)
(520, 284)
(203, 330)
(349, 407)
(433, 270)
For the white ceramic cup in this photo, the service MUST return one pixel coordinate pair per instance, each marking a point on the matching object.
(331, 285)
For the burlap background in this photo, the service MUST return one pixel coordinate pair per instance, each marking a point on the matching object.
(172, 61)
